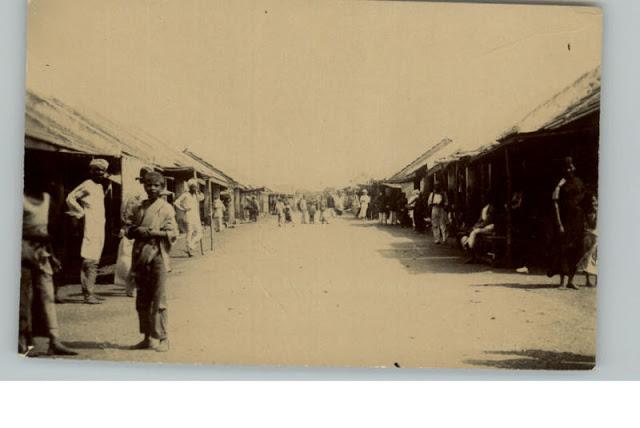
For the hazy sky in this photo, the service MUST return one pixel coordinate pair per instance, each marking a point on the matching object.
(307, 93)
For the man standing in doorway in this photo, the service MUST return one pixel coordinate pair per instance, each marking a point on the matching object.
(87, 201)
(189, 204)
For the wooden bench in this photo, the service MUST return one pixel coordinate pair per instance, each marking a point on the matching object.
(491, 248)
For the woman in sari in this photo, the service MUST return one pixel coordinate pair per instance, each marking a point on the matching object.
(569, 226)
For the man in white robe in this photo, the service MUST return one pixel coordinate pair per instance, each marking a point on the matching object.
(87, 202)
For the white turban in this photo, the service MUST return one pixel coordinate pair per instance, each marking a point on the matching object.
(99, 163)
(192, 182)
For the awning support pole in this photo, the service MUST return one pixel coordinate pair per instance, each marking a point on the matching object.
(509, 250)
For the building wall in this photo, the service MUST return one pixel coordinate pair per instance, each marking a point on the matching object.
(130, 171)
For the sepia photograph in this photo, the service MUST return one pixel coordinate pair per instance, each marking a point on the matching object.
(379, 184)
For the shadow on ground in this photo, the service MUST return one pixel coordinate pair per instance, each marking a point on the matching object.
(521, 286)
(41, 346)
(535, 359)
(96, 345)
(421, 255)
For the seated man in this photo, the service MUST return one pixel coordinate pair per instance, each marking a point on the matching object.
(484, 226)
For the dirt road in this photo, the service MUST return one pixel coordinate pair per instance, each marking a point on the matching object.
(345, 294)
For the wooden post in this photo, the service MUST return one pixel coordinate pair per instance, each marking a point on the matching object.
(210, 190)
(467, 197)
(195, 175)
(509, 249)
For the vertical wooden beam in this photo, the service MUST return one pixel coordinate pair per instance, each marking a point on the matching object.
(210, 193)
(467, 191)
(509, 250)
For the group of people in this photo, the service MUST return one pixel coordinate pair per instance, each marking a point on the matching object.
(312, 209)
(572, 234)
(149, 229)
(251, 208)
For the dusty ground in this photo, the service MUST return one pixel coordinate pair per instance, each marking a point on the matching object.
(345, 294)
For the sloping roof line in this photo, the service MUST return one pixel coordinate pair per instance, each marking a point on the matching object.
(573, 102)
(208, 169)
(209, 165)
(52, 121)
(406, 172)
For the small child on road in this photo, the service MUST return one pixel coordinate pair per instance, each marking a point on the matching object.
(154, 229)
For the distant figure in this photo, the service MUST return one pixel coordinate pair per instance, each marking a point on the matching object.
(589, 261)
(87, 202)
(37, 268)
(154, 230)
(403, 212)
(189, 204)
(521, 231)
(339, 200)
(218, 213)
(280, 212)
(355, 204)
(364, 204)
(331, 205)
(383, 202)
(420, 213)
(254, 210)
(569, 225)
(288, 212)
(411, 205)
(304, 212)
(312, 212)
(392, 207)
(438, 203)
(324, 211)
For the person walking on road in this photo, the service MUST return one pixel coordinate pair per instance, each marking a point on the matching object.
(438, 203)
(253, 209)
(154, 230)
(355, 204)
(87, 202)
(218, 213)
(280, 212)
(339, 200)
(331, 205)
(312, 212)
(364, 205)
(304, 213)
(288, 212)
(324, 211)
(189, 204)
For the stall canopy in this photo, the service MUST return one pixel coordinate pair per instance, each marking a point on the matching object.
(50, 124)
(572, 103)
(53, 125)
(408, 173)
(207, 169)
(576, 101)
